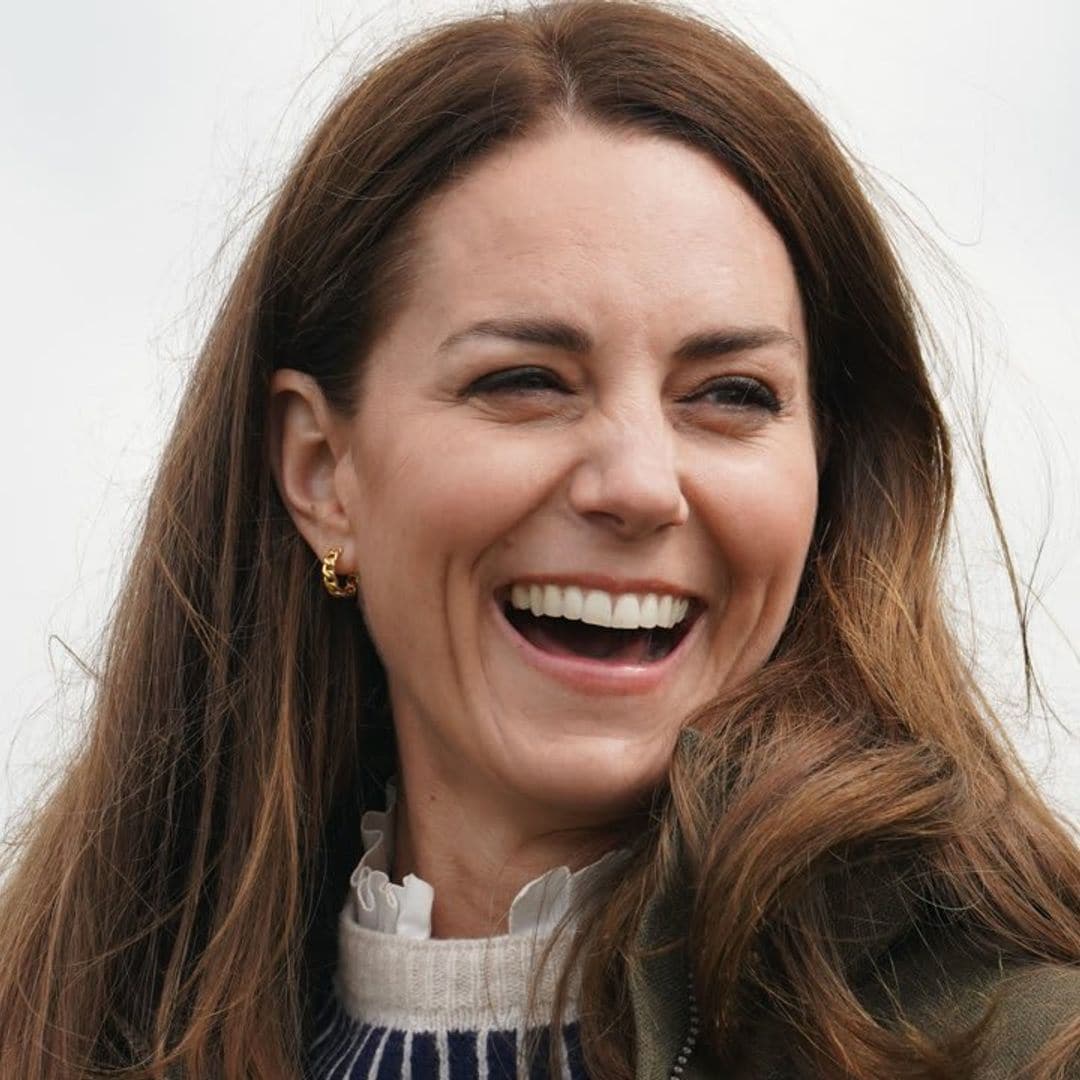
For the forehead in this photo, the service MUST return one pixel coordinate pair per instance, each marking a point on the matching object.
(599, 222)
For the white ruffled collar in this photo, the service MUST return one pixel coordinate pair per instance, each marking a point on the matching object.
(405, 910)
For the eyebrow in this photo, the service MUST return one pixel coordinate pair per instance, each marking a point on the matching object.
(557, 334)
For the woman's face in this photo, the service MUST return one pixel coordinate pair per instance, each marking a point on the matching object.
(594, 404)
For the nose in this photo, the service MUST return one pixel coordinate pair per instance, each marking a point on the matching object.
(627, 478)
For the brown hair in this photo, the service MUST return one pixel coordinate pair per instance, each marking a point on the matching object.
(180, 884)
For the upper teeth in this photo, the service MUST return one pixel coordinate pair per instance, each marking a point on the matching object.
(621, 611)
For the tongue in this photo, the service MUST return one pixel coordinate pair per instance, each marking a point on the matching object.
(564, 637)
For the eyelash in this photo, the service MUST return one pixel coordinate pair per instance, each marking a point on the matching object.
(739, 390)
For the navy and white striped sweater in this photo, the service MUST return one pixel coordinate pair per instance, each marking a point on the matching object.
(441, 1009)
(348, 1049)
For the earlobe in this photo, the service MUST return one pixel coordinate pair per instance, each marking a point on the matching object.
(305, 442)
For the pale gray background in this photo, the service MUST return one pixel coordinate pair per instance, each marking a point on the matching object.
(136, 136)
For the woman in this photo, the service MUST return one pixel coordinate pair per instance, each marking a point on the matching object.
(550, 539)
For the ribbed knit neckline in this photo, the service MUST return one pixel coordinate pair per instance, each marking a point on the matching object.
(447, 983)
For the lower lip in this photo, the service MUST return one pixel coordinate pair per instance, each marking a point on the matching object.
(597, 676)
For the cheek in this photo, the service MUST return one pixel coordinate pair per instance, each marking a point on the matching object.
(431, 499)
(761, 519)
(761, 514)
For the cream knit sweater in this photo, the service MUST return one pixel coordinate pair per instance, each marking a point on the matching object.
(409, 1005)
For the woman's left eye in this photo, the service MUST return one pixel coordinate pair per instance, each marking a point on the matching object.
(736, 391)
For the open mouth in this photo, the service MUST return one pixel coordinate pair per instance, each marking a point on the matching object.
(564, 636)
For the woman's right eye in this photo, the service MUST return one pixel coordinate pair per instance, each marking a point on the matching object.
(519, 380)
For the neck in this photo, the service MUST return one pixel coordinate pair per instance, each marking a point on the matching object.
(477, 856)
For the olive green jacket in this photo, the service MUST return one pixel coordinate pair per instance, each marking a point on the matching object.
(939, 987)
(900, 968)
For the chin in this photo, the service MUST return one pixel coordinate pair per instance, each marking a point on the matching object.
(596, 778)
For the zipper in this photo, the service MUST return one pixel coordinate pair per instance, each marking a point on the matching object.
(690, 1042)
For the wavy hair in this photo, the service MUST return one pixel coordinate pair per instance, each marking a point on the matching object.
(178, 889)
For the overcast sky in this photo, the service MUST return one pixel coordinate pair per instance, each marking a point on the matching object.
(138, 136)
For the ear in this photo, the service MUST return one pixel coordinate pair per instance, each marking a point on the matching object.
(306, 441)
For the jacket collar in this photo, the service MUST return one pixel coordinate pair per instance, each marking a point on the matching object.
(872, 905)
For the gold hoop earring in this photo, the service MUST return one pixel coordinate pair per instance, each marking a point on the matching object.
(339, 586)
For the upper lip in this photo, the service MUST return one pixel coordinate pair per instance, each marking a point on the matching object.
(605, 582)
